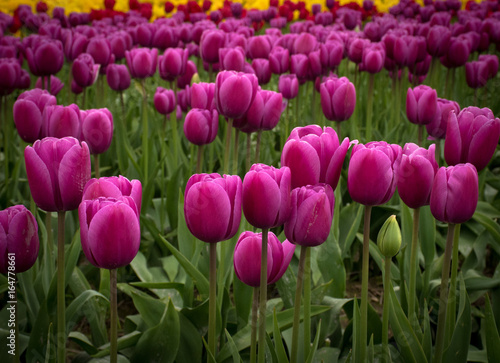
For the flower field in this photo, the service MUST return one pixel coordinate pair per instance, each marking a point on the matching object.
(262, 181)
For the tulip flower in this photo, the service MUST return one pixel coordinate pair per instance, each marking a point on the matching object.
(471, 137)
(201, 126)
(18, 237)
(120, 42)
(232, 59)
(118, 77)
(97, 129)
(371, 175)
(421, 105)
(265, 111)
(300, 66)
(234, 93)
(203, 96)
(57, 171)
(172, 63)
(373, 58)
(114, 187)
(356, 48)
(109, 230)
(262, 70)
(457, 54)
(27, 113)
(279, 60)
(338, 99)
(415, 175)
(142, 62)
(492, 61)
(164, 100)
(210, 43)
(247, 258)
(11, 72)
(288, 85)
(165, 37)
(437, 128)
(305, 43)
(331, 54)
(45, 57)
(60, 121)
(55, 84)
(314, 155)
(84, 70)
(74, 45)
(477, 74)
(259, 47)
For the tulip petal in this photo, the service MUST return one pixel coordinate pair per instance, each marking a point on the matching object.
(261, 199)
(335, 167)
(39, 180)
(484, 144)
(439, 195)
(462, 194)
(74, 173)
(453, 141)
(314, 219)
(235, 96)
(288, 251)
(303, 161)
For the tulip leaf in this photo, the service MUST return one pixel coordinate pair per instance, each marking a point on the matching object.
(278, 341)
(160, 343)
(159, 285)
(427, 231)
(490, 225)
(151, 309)
(232, 348)
(242, 295)
(314, 348)
(242, 337)
(76, 308)
(83, 342)
(491, 333)
(427, 337)
(199, 279)
(125, 341)
(270, 351)
(38, 338)
(357, 339)
(190, 345)
(460, 340)
(186, 241)
(331, 265)
(349, 216)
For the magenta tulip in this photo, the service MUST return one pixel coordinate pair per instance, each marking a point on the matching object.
(338, 99)
(84, 70)
(415, 175)
(311, 215)
(234, 93)
(57, 171)
(203, 96)
(18, 239)
(61, 121)
(210, 43)
(477, 74)
(331, 54)
(437, 128)
(259, 47)
(454, 193)
(201, 126)
(109, 231)
(265, 111)
(164, 100)
(247, 258)
(74, 45)
(471, 137)
(262, 70)
(421, 105)
(279, 60)
(314, 155)
(118, 77)
(100, 49)
(232, 59)
(172, 63)
(288, 85)
(142, 62)
(492, 61)
(371, 178)
(212, 206)
(373, 58)
(97, 129)
(45, 56)
(55, 84)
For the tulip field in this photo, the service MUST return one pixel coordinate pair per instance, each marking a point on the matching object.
(266, 181)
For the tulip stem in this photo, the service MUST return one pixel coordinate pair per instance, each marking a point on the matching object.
(96, 165)
(263, 297)
(296, 311)
(413, 266)
(113, 327)
(475, 97)
(249, 151)
(210, 72)
(369, 107)
(145, 132)
(443, 299)
(394, 99)
(235, 151)
(338, 123)
(61, 307)
(199, 159)
(212, 303)
(364, 281)
(229, 128)
(175, 134)
(385, 317)
(48, 226)
(438, 150)
(307, 302)
(48, 85)
(420, 135)
(257, 148)
(287, 123)
(452, 301)
(253, 338)
(313, 105)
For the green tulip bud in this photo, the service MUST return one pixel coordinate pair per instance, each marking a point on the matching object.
(195, 79)
(389, 237)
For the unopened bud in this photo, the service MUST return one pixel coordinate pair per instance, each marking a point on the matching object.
(389, 237)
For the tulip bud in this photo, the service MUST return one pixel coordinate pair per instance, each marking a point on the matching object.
(84, 70)
(97, 129)
(172, 63)
(118, 77)
(234, 93)
(45, 57)
(201, 126)
(389, 237)
(210, 43)
(164, 100)
(262, 70)
(203, 96)
(232, 59)
(288, 85)
(476, 74)
(279, 60)
(142, 62)
(338, 99)
(421, 105)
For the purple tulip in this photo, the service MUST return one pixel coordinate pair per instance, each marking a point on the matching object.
(55, 84)
(373, 58)
(356, 48)
(288, 85)
(421, 105)
(265, 111)
(338, 99)
(84, 70)
(415, 175)
(247, 258)
(331, 54)
(97, 129)
(11, 72)
(172, 63)
(164, 100)
(259, 47)
(28, 111)
(300, 66)
(203, 96)
(471, 137)
(262, 70)
(438, 40)
(45, 57)
(266, 195)
(279, 60)
(18, 239)
(212, 206)
(118, 77)
(492, 61)
(305, 43)
(165, 37)
(371, 178)
(185, 79)
(57, 171)
(314, 155)
(61, 121)
(201, 126)
(232, 59)
(457, 54)
(100, 49)
(455, 193)
(109, 231)
(372, 31)
(74, 45)
(184, 99)
(311, 215)
(120, 42)
(234, 93)
(437, 128)
(477, 74)
(210, 43)
(142, 62)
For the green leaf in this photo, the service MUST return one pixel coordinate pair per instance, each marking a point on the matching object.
(210, 356)
(327, 355)
(232, 348)
(270, 350)
(489, 224)
(278, 341)
(491, 333)
(427, 337)
(314, 348)
(76, 308)
(349, 216)
(160, 343)
(186, 241)
(125, 341)
(427, 231)
(199, 279)
(242, 295)
(331, 265)
(159, 285)
(190, 345)
(357, 341)
(151, 309)
(83, 342)
(411, 350)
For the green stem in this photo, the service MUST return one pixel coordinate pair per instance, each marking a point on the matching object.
(61, 307)
(96, 165)
(249, 152)
(173, 126)
(145, 133)
(443, 299)
(413, 266)
(385, 316)
(253, 338)
(48, 85)
(235, 151)
(399, 96)
(296, 121)
(452, 301)
(438, 151)
(394, 98)
(364, 282)
(50, 241)
(199, 159)
(257, 148)
(113, 327)
(420, 135)
(212, 303)
(210, 72)
(369, 107)
(287, 124)
(263, 297)
(6, 132)
(296, 311)
(313, 105)
(307, 302)
(338, 123)
(475, 97)
(229, 129)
